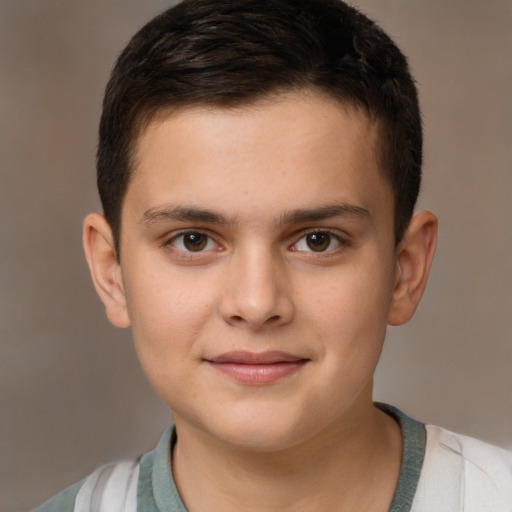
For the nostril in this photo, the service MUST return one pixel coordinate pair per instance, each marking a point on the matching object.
(240, 319)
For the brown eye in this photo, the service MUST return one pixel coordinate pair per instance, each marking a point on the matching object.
(191, 243)
(318, 242)
(195, 242)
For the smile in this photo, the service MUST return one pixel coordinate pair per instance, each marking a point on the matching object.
(257, 368)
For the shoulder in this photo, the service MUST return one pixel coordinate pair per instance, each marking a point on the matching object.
(62, 502)
(112, 487)
(463, 473)
(124, 485)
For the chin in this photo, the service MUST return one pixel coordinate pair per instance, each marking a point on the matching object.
(264, 431)
(260, 439)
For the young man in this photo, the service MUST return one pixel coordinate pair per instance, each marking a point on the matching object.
(258, 165)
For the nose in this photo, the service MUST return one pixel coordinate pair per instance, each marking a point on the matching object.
(256, 292)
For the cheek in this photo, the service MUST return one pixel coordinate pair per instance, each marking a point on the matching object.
(165, 296)
(167, 322)
(350, 313)
(167, 312)
(351, 300)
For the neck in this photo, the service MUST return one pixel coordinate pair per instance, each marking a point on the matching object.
(354, 466)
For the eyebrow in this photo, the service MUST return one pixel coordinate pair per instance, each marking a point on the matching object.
(184, 214)
(324, 213)
(196, 214)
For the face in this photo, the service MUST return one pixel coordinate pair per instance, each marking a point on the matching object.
(258, 267)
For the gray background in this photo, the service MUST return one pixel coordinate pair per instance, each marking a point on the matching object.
(72, 395)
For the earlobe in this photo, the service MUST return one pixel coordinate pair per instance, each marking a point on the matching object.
(105, 269)
(414, 259)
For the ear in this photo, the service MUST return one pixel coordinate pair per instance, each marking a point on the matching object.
(414, 259)
(105, 269)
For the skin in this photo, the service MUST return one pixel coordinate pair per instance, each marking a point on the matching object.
(249, 187)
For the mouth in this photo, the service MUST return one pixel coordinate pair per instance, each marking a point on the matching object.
(257, 368)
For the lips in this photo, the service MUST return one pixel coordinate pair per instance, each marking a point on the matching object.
(257, 368)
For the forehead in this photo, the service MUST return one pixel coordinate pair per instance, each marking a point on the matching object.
(299, 149)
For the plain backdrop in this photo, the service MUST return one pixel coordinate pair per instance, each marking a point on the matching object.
(72, 395)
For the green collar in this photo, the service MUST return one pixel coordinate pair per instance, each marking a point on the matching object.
(414, 440)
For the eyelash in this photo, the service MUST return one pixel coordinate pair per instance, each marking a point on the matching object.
(182, 234)
(332, 237)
